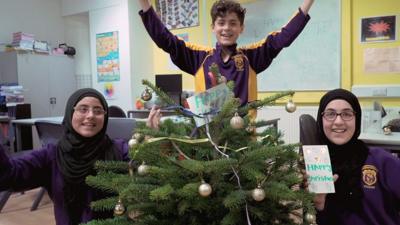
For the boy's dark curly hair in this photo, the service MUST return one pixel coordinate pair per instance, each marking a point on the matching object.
(221, 7)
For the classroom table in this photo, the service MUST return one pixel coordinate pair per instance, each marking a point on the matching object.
(144, 113)
(388, 141)
(18, 123)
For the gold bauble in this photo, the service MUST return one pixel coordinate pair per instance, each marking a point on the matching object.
(143, 169)
(237, 122)
(132, 142)
(119, 208)
(205, 189)
(310, 218)
(290, 106)
(258, 194)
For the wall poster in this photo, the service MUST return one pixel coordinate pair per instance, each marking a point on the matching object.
(177, 14)
(382, 28)
(107, 57)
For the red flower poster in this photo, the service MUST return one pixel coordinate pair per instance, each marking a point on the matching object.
(381, 28)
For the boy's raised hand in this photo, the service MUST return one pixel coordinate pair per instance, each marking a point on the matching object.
(145, 4)
(305, 7)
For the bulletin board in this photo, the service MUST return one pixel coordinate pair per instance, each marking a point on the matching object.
(312, 62)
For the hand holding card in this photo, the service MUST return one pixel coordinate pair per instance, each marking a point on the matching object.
(318, 169)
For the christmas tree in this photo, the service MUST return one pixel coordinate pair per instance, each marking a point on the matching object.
(227, 171)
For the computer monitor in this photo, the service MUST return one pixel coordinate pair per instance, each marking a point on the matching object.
(170, 84)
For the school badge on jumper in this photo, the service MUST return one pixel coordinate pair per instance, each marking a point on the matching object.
(239, 62)
(369, 175)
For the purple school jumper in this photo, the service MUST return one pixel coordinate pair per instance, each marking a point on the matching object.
(244, 63)
(381, 202)
(39, 169)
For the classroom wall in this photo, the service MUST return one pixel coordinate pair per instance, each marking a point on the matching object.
(77, 35)
(354, 60)
(351, 54)
(113, 18)
(45, 21)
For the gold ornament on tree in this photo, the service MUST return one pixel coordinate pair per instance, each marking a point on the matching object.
(310, 218)
(290, 106)
(205, 189)
(237, 122)
(258, 194)
(132, 142)
(146, 95)
(143, 169)
(119, 208)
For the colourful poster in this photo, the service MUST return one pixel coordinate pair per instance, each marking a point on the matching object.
(107, 56)
(109, 91)
(177, 14)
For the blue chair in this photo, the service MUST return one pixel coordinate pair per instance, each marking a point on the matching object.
(120, 128)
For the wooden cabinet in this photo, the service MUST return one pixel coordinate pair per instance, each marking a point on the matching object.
(48, 80)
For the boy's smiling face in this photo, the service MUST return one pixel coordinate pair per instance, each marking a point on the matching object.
(227, 29)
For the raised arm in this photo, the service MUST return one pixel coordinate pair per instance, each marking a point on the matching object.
(305, 7)
(145, 4)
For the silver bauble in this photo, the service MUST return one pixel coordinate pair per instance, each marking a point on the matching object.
(143, 169)
(258, 194)
(146, 95)
(205, 189)
(237, 122)
(119, 208)
(290, 106)
(132, 142)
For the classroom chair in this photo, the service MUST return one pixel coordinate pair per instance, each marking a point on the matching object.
(308, 130)
(116, 111)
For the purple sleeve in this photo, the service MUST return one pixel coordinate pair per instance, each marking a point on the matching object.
(390, 170)
(261, 54)
(26, 171)
(188, 59)
(123, 148)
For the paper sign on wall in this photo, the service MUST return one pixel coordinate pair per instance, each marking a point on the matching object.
(208, 101)
(318, 168)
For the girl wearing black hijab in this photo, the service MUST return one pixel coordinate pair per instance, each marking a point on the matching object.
(62, 168)
(368, 184)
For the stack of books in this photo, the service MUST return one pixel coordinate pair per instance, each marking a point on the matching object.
(23, 41)
(12, 94)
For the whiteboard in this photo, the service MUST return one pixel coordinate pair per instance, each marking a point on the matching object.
(312, 61)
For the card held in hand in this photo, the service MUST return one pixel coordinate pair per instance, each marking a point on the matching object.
(318, 169)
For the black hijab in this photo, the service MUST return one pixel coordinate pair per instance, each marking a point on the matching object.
(76, 154)
(347, 159)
